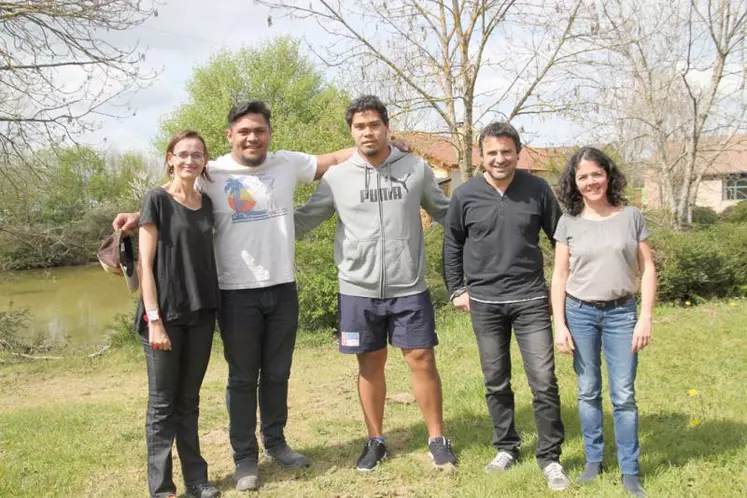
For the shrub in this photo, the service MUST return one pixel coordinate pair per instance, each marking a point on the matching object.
(12, 322)
(434, 237)
(736, 213)
(316, 276)
(704, 216)
(701, 264)
(122, 333)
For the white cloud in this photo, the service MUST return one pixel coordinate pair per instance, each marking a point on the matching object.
(185, 34)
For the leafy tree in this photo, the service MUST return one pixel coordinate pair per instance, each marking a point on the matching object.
(307, 113)
(58, 212)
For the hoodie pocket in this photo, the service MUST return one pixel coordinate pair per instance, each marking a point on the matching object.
(399, 265)
(358, 262)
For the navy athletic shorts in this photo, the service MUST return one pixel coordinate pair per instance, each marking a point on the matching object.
(367, 323)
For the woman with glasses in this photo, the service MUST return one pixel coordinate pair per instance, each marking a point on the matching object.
(176, 314)
(602, 251)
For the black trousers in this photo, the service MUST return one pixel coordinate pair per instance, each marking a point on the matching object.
(530, 320)
(258, 327)
(174, 381)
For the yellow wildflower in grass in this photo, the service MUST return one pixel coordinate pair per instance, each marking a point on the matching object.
(692, 393)
(688, 303)
(694, 422)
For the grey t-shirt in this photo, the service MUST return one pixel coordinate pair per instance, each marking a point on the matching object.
(604, 254)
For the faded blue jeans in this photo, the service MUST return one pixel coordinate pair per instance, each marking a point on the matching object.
(594, 328)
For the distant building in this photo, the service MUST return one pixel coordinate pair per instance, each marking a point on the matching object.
(724, 181)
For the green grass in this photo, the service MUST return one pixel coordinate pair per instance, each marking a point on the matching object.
(74, 427)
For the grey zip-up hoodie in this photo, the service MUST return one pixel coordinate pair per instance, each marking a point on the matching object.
(379, 247)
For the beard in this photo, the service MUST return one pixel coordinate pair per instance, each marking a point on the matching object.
(253, 162)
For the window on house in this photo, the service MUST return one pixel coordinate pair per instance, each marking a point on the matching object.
(735, 187)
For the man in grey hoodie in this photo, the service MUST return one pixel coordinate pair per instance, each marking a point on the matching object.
(380, 256)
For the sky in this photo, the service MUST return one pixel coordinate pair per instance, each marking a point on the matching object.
(185, 34)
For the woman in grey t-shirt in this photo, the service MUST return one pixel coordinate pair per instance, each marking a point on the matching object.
(602, 250)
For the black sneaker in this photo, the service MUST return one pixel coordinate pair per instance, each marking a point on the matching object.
(439, 449)
(285, 456)
(205, 490)
(374, 451)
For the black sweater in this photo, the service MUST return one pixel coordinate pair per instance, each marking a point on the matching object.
(491, 241)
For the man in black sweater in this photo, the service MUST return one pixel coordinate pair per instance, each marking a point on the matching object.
(493, 269)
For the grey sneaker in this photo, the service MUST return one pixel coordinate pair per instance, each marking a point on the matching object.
(556, 478)
(591, 472)
(285, 456)
(632, 485)
(502, 461)
(247, 475)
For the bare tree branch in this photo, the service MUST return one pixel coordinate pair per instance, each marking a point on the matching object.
(436, 53)
(60, 69)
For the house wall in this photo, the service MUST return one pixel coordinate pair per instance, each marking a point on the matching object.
(710, 194)
(651, 197)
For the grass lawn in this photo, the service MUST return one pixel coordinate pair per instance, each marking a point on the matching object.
(74, 427)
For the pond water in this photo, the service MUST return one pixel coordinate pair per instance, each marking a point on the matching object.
(74, 305)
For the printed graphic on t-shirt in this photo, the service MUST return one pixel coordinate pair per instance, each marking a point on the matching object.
(252, 198)
(393, 193)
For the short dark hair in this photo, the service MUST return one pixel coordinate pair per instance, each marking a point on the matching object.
(251, 107)
(568, 193)
(500, 129)
(367, 103)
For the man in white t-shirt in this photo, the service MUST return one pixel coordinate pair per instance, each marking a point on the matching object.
(252, 195)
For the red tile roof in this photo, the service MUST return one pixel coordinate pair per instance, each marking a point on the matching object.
(728, 156)
(439, 151)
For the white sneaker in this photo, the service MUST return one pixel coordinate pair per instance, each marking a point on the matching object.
(556, 478)
(502, 461)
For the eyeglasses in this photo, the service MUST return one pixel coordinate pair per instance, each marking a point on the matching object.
(184, 155)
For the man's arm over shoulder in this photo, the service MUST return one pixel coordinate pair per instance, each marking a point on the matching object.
(318, 208)
(455, 236)
(434, 201)
(325, 161)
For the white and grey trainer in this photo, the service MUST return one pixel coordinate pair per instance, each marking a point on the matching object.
(557, 480)
(502, 461)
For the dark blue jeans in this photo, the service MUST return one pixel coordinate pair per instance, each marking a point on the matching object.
(258, 327)
(174, 381)
(612, 329)
(530, 321)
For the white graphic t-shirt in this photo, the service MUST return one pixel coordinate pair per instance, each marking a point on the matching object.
(253, 214)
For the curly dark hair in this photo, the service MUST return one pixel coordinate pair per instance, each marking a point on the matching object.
(568, 193)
